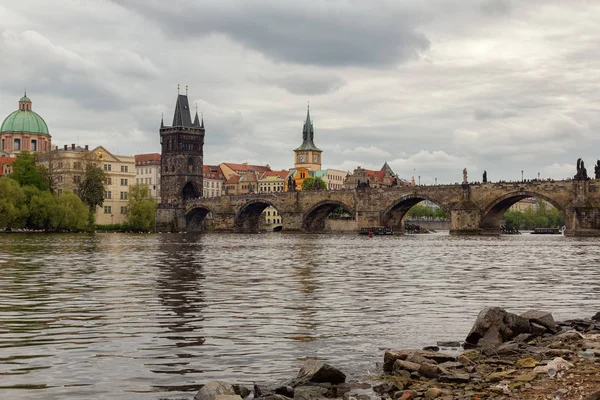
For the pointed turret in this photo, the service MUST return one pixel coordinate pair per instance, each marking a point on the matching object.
(181, 117)
(202, 125)
(162, 120)
(308, 134)
(196, 120)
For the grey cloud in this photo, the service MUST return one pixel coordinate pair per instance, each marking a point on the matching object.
(326, 33)
(496, 7)
(483, 114)
(305, 84)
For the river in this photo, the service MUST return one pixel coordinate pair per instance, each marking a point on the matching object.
(153, 316)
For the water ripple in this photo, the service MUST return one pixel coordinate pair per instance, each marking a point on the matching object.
(155, 316)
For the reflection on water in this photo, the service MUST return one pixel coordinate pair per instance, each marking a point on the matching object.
(155, 316)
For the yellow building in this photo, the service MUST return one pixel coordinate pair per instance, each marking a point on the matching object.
(273, 181)
(308, 155)
(299, 175)
(66, 166)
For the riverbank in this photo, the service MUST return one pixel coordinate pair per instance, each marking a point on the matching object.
(507, 356)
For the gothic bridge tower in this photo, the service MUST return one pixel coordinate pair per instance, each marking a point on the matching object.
(181, 155)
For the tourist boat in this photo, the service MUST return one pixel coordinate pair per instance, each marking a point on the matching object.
(546, 231)
(376, 230)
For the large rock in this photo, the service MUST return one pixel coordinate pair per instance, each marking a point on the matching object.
(314, 371)
(214, 388)
(542, 318)
(493, 326)
(597, 316)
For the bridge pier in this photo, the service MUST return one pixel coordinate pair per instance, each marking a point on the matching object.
(465, 221)
(170, 219)
(582, 221)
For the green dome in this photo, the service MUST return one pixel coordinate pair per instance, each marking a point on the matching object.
(25, 98)
(24, 121)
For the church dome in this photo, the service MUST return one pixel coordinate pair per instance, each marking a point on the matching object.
(24, 120)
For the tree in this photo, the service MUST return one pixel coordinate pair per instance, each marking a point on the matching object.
(141, 208)
(25, 172)
(70, 213)
(48, 164)
(91, 189)
(314, 184)
(41, 206)
(13, 210)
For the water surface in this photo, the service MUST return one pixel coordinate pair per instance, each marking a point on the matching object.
(154, 316)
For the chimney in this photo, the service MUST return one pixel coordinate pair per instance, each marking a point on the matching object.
(86, 147)
(65, 147)
(72, 146)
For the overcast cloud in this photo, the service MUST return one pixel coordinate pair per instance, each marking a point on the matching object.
(430, 87)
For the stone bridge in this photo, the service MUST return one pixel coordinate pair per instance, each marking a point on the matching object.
(475, 209)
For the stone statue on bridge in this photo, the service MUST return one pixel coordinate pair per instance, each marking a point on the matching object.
(581, 171)
(291, 185)
(597, 170)
(465, 181)
(484, 176)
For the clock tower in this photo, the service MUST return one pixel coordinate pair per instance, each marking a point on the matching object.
(308, 155)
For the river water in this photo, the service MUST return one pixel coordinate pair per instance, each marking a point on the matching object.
(129, 316)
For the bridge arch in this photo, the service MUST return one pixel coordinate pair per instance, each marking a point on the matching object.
(248, 217)
(314, 219)
(194, 218)
(393, 214)
(493, 213)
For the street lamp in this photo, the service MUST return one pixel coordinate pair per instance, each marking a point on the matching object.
(436, 181)
(522, 176)
(419, 180)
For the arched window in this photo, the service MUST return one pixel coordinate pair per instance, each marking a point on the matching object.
(190, 165)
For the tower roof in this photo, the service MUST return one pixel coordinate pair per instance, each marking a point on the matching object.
(182, 116)
(24, 120)
(308, 134)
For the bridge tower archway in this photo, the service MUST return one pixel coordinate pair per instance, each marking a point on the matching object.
(195, 218)
(189, 191)
(251, 219)
(394, 215)
(315, 219)
(493, 213)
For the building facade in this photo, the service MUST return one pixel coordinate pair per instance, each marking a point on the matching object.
(6, 165)
(66, 167)
(360, 176)
(247, 183)
(182, 152)
(147, 172)
(333, 178)
(24, 130)
(273, 181)
(214, 185)
(308, 155)
(230, 169)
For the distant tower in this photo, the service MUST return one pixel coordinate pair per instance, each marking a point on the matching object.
(308, 155)
(181, 155)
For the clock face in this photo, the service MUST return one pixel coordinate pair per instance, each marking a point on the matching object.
(302, 158)
(315, 158)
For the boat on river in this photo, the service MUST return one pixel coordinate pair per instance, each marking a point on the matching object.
(376, 230)
(546, 231)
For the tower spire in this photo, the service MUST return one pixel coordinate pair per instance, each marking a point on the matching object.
(162, 120)
(202, 125)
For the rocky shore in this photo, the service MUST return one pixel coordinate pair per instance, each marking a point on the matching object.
(506, 356)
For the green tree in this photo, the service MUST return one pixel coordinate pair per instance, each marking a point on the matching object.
(13, 210)
(314, 184)
(91, 189)
(70, 213)
(141, 208)
(41, 205)
(25, 172)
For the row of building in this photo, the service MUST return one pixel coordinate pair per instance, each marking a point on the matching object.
(25, 130)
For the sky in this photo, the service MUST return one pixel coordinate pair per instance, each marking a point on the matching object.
(431, 87)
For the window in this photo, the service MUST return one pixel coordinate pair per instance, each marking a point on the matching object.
(77, 165)
(137, 180)
(124, 168)
(123, 182)
(123, 195)
(107, 209)
(123, 210)
(59, 192)
(34, 145)
(149, 181)
(107, 194)
(108, 167)
(17, 144)
(60, 179)
(269, 213)
(76, 179)
(108, 180)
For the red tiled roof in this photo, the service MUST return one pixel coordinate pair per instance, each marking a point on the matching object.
(281, 174)
(212, 172)
(248, 168)
(7, 160)
(150, 158)
(375, 174)
(233, 179)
